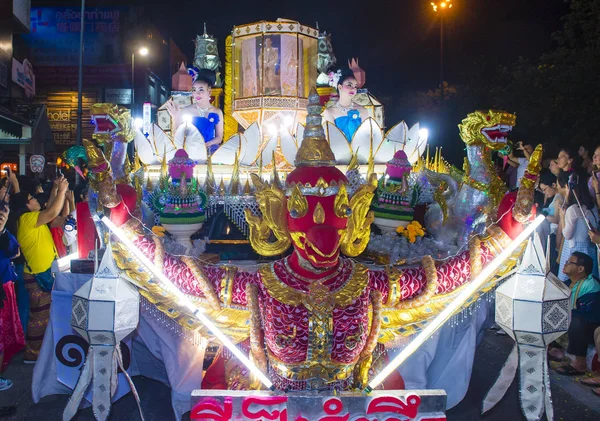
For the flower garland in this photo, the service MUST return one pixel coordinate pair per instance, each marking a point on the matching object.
(334, 78)
(411, 231)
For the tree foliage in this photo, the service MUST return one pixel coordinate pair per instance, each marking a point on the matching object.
(556, 97)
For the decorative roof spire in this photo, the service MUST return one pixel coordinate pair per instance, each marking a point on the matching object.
(314, 150)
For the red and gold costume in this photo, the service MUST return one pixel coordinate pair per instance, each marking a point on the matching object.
(314, 319)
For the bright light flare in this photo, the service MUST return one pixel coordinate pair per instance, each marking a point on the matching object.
(63, 262)
(138, 123)
(185, 301)
(423, 133)
(143, 51)
(446, 4)
(456, 304)
(187, 118)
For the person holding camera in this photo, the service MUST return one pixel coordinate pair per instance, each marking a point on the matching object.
(519, 159)
(578, 207)
(8, 186)
(39, 251)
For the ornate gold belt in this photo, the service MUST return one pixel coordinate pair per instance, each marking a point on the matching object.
(327, 370)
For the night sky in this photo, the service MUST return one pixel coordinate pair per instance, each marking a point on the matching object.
(396, 41)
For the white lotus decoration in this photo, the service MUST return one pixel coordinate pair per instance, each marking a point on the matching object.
(369, 139)
(250, 145)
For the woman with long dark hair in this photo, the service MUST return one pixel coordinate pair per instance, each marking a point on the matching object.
(346, 114)
(207, 118)
(578, 207)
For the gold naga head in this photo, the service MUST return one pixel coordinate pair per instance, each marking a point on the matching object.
(113, 123)
(313, 212)
(487, 128)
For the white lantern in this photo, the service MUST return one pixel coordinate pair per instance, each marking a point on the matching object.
(533, 307)
(105, 310)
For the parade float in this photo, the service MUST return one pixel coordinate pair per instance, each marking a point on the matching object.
(299, 308)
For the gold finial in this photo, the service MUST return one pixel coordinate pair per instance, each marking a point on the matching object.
(163, 180)
(427, 162)
(136, 162)
(138, 190)
(276, 179)
(209, 185)
(370, 167)
(127, 165)
(234, 185)
(314, 150)
(247, 189)
(353, 165)
(149, 185)
(222, 187)
(163, 165)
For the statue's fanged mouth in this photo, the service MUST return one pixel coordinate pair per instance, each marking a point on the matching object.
(497, 134)
(105, 124)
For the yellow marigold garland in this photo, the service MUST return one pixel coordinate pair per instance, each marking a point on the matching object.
(411, 231)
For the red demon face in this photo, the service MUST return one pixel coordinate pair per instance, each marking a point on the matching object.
(317, 213)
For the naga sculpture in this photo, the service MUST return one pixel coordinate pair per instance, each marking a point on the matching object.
(464, 206)
(114, 129)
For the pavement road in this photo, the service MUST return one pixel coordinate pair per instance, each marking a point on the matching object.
(572, 401)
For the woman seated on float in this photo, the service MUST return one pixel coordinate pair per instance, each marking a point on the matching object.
(345, 114)
(207, 118)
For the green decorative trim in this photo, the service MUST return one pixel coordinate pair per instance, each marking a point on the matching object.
(181, 218)
(405, 216)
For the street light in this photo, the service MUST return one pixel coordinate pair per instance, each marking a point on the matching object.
(143, 51)
(442, 7)
(78, 133)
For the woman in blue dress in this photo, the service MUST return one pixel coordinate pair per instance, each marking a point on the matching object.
(207, 118)
(346, 114)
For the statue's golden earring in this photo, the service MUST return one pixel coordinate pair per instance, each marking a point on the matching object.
(297, 204)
